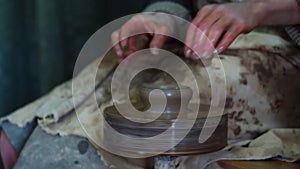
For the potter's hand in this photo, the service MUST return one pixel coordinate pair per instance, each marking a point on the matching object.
(221, 24)
(148, 31)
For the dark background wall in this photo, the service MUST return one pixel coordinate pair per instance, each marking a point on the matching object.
(40, 40)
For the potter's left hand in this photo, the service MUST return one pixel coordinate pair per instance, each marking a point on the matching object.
(221, 24)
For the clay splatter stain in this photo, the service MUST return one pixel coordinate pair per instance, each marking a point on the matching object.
(237, 131)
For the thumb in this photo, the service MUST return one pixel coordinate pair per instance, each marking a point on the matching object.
(159, 38)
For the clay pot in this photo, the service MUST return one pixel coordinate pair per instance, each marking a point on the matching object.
(167, 120)
(172, 94)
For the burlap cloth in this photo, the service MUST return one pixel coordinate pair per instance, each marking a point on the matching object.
(262, 71)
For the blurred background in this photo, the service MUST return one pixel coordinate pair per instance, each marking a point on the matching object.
(41, 39)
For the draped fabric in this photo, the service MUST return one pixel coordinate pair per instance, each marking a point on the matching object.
(40, 40)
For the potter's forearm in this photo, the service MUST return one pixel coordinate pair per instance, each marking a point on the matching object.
(278, 12)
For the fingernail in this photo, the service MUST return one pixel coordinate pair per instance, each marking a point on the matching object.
(216, 51)
(188, 52)
(220, 49)
(154, 51)
(119, 52)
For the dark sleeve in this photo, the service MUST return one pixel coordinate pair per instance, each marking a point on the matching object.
(180, 8)
(188, 4)
(294, 33)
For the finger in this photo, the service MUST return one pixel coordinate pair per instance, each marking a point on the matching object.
(202, 44)
(228, 38)
(131, 40)
(116, 44)
(199, 46)
(214, 35)
(192, 30)
(217, 30)
(135, 43)
(125, 33)
(205, 11)
(203, 50)
(133, 27)
(138, 42)
(161, 35)
(200, 41)
(207, 22)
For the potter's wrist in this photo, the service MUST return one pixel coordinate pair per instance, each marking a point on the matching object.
(277, 12)
(260, 12)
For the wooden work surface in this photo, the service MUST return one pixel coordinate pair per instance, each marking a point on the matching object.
(258, 165)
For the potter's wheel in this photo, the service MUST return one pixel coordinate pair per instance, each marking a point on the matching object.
(167, 120)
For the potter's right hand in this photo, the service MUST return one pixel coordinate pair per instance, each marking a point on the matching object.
(141, 31)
